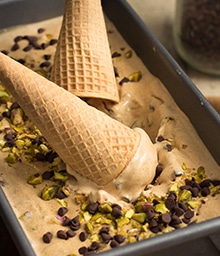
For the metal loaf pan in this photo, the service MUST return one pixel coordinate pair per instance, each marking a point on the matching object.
(198, 239)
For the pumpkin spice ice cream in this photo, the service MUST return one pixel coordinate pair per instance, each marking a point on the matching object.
(186, 184)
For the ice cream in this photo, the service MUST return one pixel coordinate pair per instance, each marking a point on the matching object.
(93, 145)
(146, 104)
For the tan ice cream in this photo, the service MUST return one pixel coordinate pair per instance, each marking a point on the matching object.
(145, 104)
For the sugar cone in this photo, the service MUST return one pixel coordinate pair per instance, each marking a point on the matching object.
(96, 146)
(82, 63)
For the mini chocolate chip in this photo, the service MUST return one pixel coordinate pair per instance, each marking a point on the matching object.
(62, 234)
(82, 250)
(50, 156)
(47, 56)
(44, 46)
(53, 41)
(60, 195)
(74, 223)
(188, 214)
(160, 138)
(105, 237)
(15, 47)
(116, 54)
(156, 229)
(186, 221)
(47, 175)
(5, 52)
(183, 206)
(14, 105)
(124, 80)
(83, 236)
(62, 211)
(205, 183)
(169, 147)
(70, 233)
(166, 218)
(92, 208)
(40, 30)
(18, 38)
(21, 61)
(45, 64)
(170, 203)
(40, 157)
(6, 114)
(116, 212)
(47, 237)
(27, 48)
(194, 191)
(175, 220)
(94, 246)
(205, 191)
(153, 223)
(179, 211)
(104, 230)
(114, 244)
(215, 182)
(119, 238)
(116, 72)
(189, 182)
(66, 221)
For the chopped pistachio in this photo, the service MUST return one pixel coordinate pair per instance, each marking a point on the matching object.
(89, 228)
(3, 94)
(19, 144)
(87, 216)
(129, 213)
(194, 204)
(215, 190)
(139, 217)
(121, 222)
(94, 237)
(62, 202)
(105, 207)
(135, 77)
(35, 179)
(48, 193)
(59, 176)
(17, 116)
(201, 172)
(11, 158)
(174, 187)
(131, 239)
(128, 54)
(161, 208)
(185, 195)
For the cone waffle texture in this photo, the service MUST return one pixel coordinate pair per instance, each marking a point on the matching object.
(96, 146)
(83, 63)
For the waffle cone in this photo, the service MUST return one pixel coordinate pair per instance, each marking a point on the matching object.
(94, 145)
(82, 63)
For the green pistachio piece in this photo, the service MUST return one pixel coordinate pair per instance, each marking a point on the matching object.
(35, 179)
(201, 172)
(121, 222)
(129, 213)
(135, 77)
(105, 208)
(87, 216)
(19, 144)
(128, 54)
(131, 239)
(17, 117)
(3, 94)
(62, 202)
(185, 195)
(48, 193)
(139, 217)
(11, 158)
(215, 190)
(59, 176)
(89, 228)
(174, 187)
(160, 208)
(194, 204)
(94, 237)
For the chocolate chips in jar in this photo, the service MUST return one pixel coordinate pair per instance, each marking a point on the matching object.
(197, 34)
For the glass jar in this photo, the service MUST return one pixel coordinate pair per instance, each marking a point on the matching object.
(197, 34)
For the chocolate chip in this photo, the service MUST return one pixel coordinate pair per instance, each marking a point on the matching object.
(205, 191)
(92, 208)
(94, 246)
(27, 48)
(183, 206)
(168, 147)
(66, 221)
(170, 203)
(116, 54)
(188, 214)
(21, 61)
(119, 238)
(153, 223)
(47, 237)
(62, 234)
(47, 56)
(116, 212)
(83, 236)
(74, 223)
(104, 230)
(60, 195)
(5, 52)
(194, 191)
(15, 47)
(166, 218)
(179, 211)
(18, 38)
(160, 138)
(44, 46)
(47, 174)
(82, 250)
(53, 41)
(175, 220)
(114, 244)
(70, 233)
(116, 72)
(45, 64)
(40, 30)
(124, 80)
(62, 211)
(205, 183)
(105, 237)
